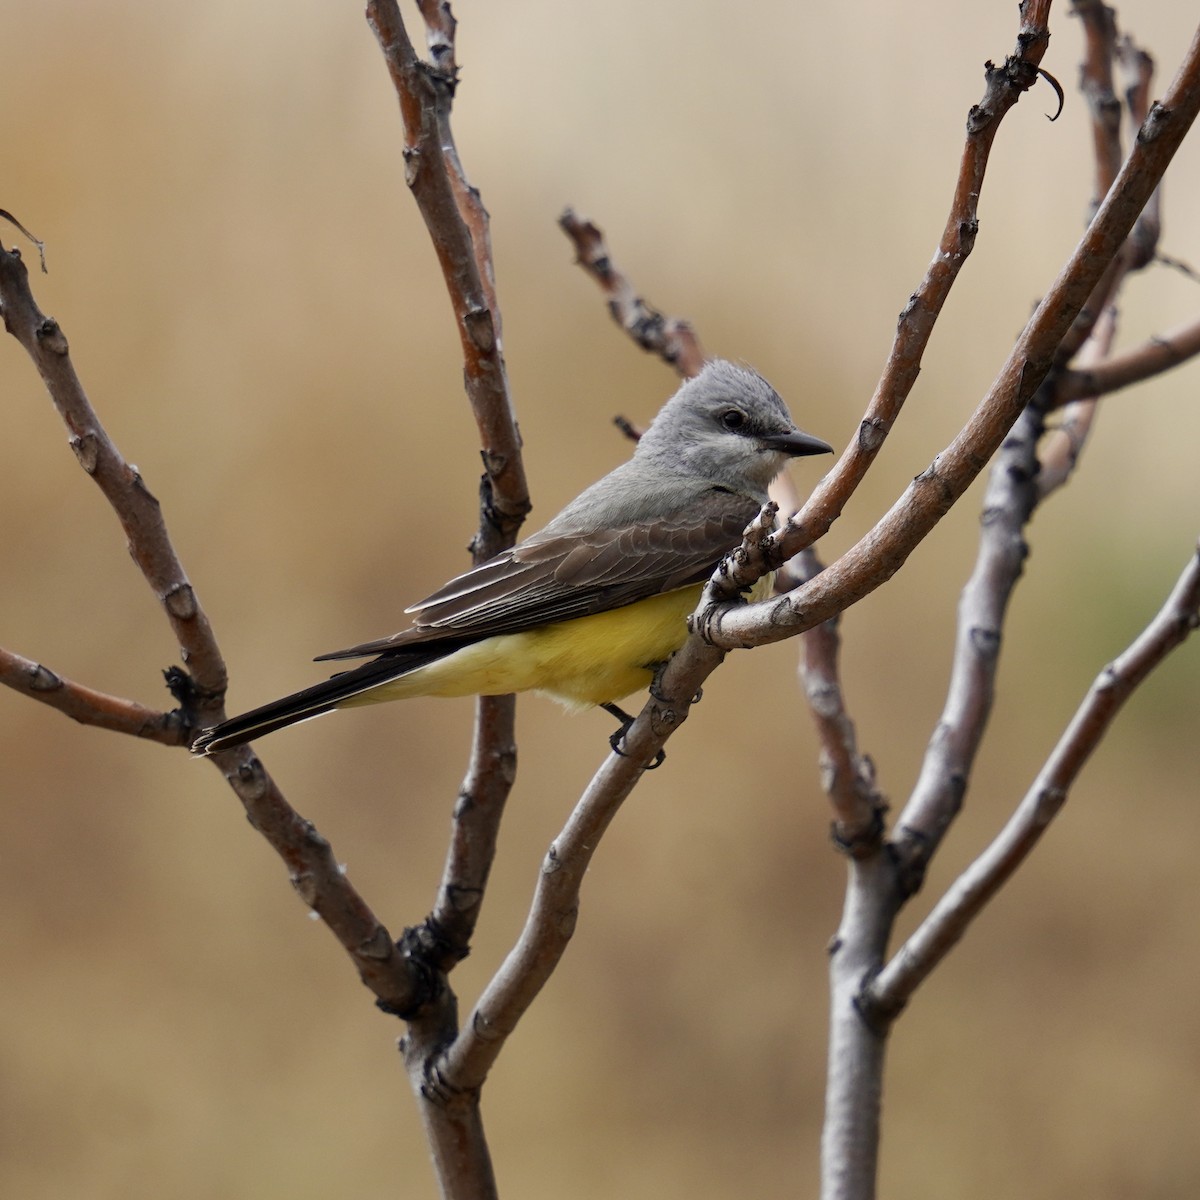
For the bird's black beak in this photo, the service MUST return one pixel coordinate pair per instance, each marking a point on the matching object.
(797, 444)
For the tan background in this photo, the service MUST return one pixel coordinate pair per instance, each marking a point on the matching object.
(255, 310)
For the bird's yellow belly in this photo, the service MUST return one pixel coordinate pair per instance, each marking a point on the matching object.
(589, 660)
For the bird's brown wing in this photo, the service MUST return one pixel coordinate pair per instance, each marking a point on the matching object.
(555, 577)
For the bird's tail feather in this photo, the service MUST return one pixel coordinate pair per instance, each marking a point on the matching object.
(315, 700)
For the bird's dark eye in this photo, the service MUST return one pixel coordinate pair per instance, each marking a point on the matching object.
(733, 418)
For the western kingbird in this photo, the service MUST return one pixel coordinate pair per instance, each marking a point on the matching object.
(587, 609)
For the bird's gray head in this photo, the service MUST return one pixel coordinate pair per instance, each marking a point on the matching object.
(727, 426)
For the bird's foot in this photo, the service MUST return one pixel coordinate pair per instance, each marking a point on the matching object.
(617, 740)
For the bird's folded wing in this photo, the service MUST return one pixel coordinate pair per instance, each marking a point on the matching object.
(558, 576)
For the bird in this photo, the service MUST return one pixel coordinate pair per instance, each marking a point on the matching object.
(589, 608)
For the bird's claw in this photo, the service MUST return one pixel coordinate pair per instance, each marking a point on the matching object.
(617, 739)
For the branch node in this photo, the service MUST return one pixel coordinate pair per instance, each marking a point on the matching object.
(984, 641)
(877, 1020)
(863, 841)
(42, 679)
(86, 447)
(252, 783)
(871, 434)
(1157, 120)
(412, 165)
(306, 886)
(378, 946)
(51, 337)
(481, 329)
(180, 602)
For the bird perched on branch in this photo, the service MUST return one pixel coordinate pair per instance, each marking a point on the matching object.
(588, 608)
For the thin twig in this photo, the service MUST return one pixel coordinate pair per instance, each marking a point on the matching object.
(123, 487)
(1063, 445)
(672, 338)
(847, 776)
(89, 707)
(37, 242)
(1151, 358)
(1096, 83)
(1137, 67)
(966, 898)
(434, 176)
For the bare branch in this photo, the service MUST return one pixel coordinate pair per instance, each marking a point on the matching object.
(1137, 67)
(314, 871)
(490, 774)
(90, 707)
(672, 338)
(936, 798)
(1063, 445)
(551, 921)
(37, 242)
(1151, 358)
(1020, 479)
(123, 487)
(440, 27)
(1003, 88)
(1096, 83)
(457, 225)
(884, 549)
(321, 882)
(955, 911)
(847, 776)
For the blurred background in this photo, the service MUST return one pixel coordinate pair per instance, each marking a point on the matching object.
(255, 310)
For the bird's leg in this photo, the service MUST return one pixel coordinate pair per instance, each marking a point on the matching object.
(618, 738)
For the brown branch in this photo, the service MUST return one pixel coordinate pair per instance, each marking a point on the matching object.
(1153, 357)
(672, 338)
(457, 222)
(847, 776)
(885, 548)
(954, 912)
(322, 883)
(489, 778)
(1096, 83)
(1063, 445)
(440, 28)
(1004, 86)
(466, 1061)
(550, 924)
(314, 871)
(458, 227)
(124, 489)
(716, 627)
(89, 707)
(1137, 67)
